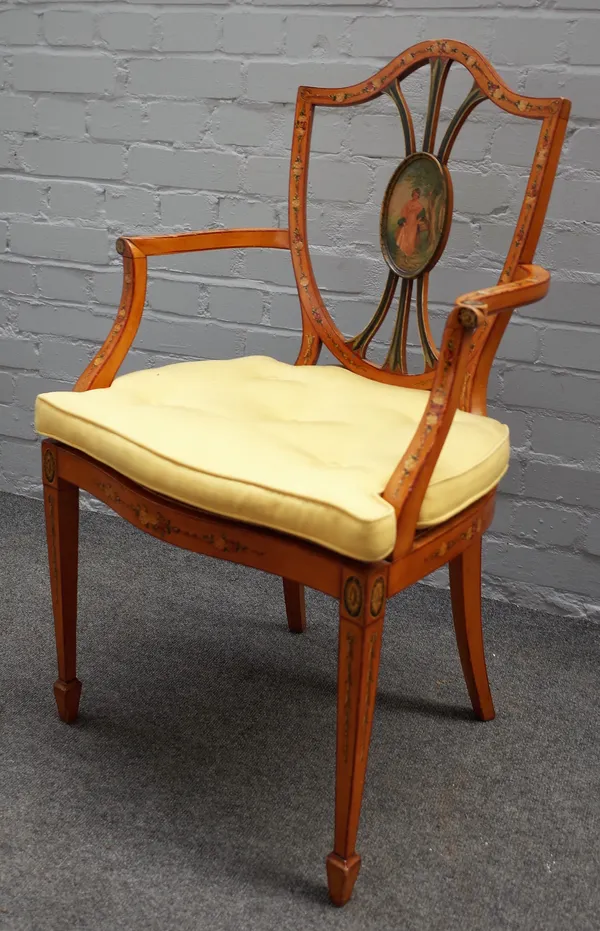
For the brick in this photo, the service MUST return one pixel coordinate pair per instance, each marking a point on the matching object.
(127, 31)
(56, 321)
(17, 354)
(29, 386)
(188, 211)
(20, 459)
(278, 82)
(175, 122)
(552, 391)
(474, 194)
(238, 125)
(7, 155)
(16, 113)
(376, 134)
(516, 422)
(582, 90)
(242, 212)
(185, 77)
(217, 171)
(7, 388)
(118, 121)
(343, 273)
(330, 179)
(16, 278)
(474, 30)
(515, 144)
(568, 439)
(176, 297)
(572, 348)
(253, 32)
(503, 515)
(62, 284)
(569, 572)
(583, 148)
(67, 243)
(73, 159)
(44, 71)
(79, 201)
(130, 207)
(284, 311)
(196, 338)
(107, 286)
(189, 31)
(243, 305)
(520, 342)
(330, 128)
(265, 175)
(383, 36)
(567, 484)
(568, 301)
(18, 27)
(69, 28)
(63, 360)
(527, 40)
(264, 342)
(274, 266)
(578, 250)
(316, 36)
(592, 540)
(60, 118)
(547, 526)
(20, 195)
(575, 200)
(16, 423)
(584, 40)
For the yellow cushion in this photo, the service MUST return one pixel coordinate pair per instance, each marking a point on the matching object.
(302, 449)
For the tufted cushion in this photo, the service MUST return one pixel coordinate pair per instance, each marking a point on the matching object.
(302, 449)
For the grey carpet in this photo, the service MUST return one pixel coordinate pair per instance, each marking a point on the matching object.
(196, 790)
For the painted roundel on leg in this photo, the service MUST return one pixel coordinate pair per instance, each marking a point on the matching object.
(416, 215)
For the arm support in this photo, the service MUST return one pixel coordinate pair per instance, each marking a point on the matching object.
(408, 484)
(105, 364)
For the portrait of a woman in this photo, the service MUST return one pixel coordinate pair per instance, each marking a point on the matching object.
(412, 217)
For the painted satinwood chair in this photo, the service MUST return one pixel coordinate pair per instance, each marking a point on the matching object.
(355, 479)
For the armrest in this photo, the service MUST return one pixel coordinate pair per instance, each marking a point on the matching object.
(531, 284)
(408, 484)
(204, 241)
(135, 249)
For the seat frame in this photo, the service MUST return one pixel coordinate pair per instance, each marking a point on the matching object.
(455, 377)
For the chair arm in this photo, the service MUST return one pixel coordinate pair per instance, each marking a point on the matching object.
(135, 249)
(204, 241)
(531, 284)
(408, 484)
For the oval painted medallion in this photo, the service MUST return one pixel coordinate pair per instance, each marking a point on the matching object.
(416, 214)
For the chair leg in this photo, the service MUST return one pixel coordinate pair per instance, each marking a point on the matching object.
(465, 588)
(62, 529)
(293, 593)
(362, 609)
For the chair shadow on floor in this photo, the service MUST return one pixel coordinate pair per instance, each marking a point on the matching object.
(232, 761)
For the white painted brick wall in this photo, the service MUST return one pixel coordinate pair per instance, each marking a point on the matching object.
(134, 116)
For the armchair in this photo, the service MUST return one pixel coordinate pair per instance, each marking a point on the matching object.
(355, 479)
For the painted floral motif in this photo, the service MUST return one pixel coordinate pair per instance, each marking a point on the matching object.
(353, 596)
(377, 596)
(161, 525)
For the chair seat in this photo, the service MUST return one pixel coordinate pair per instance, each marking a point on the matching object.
(306, 450)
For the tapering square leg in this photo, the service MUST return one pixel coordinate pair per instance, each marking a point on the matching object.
(362, 608)
(295, 606)
(61, 500)
(465, 588)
